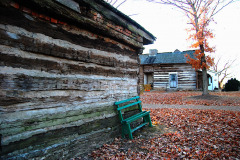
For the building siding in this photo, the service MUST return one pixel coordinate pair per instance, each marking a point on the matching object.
(186, 76)
(59, 83)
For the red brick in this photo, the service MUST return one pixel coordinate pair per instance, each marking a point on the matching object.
(35, 14)
(27, 10)
(129, 32)
(95, 18)
(63, 23)
(119, 28)
(41, 16)
(15, 5)
(47, 18)
(53, 20)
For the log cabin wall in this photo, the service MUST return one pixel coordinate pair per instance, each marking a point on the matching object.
(141, 76)
(62, 67)
(186, 75)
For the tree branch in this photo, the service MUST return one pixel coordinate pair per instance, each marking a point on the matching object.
(121, 3)
(231, 1)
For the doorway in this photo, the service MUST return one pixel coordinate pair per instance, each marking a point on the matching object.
(173, 80)
(148, 78)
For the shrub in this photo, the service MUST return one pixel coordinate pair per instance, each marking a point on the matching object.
(232, 85)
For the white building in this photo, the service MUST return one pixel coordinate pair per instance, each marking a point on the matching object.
(212, 80)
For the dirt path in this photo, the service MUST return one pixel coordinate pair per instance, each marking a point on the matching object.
(230, 108)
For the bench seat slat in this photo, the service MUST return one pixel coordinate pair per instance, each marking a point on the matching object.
(136, 116)
(129, 105)
(126, 100)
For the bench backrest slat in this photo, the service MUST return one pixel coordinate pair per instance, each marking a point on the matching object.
(129, 105)
(121, 106)
(126, 100)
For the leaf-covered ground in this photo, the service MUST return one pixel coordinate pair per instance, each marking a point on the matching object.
(182, 133)
(192, 98)
(196, 134)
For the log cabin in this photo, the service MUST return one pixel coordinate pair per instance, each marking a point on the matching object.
(169, 71)
(63, 65)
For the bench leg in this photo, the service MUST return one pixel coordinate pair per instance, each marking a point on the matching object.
(124, 129)
(129, 131)
(149, 120)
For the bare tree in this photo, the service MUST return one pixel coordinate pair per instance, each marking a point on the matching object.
(200, 13)
(116, 3)
(223, 70)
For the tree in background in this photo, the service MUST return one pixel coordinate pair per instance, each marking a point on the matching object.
(200, 35)
(200, 13)
(232, 85)
(116, 3)
(223, 72)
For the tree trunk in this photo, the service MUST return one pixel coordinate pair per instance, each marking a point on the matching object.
(205, 81)
(203, 59)
(204, 72)
(221, 83)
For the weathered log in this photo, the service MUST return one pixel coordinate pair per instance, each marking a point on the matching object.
(62, 67)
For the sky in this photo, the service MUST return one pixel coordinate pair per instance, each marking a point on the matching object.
(169, 24)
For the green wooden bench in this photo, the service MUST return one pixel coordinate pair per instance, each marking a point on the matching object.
(145, 115)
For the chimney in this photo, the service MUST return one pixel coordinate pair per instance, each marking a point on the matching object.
(153, 52)
(177, 51)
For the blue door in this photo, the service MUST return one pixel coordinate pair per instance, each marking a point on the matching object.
(173, 80)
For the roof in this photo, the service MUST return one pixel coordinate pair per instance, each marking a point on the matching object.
(82, 13)
(113, 9)
(166, 57)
